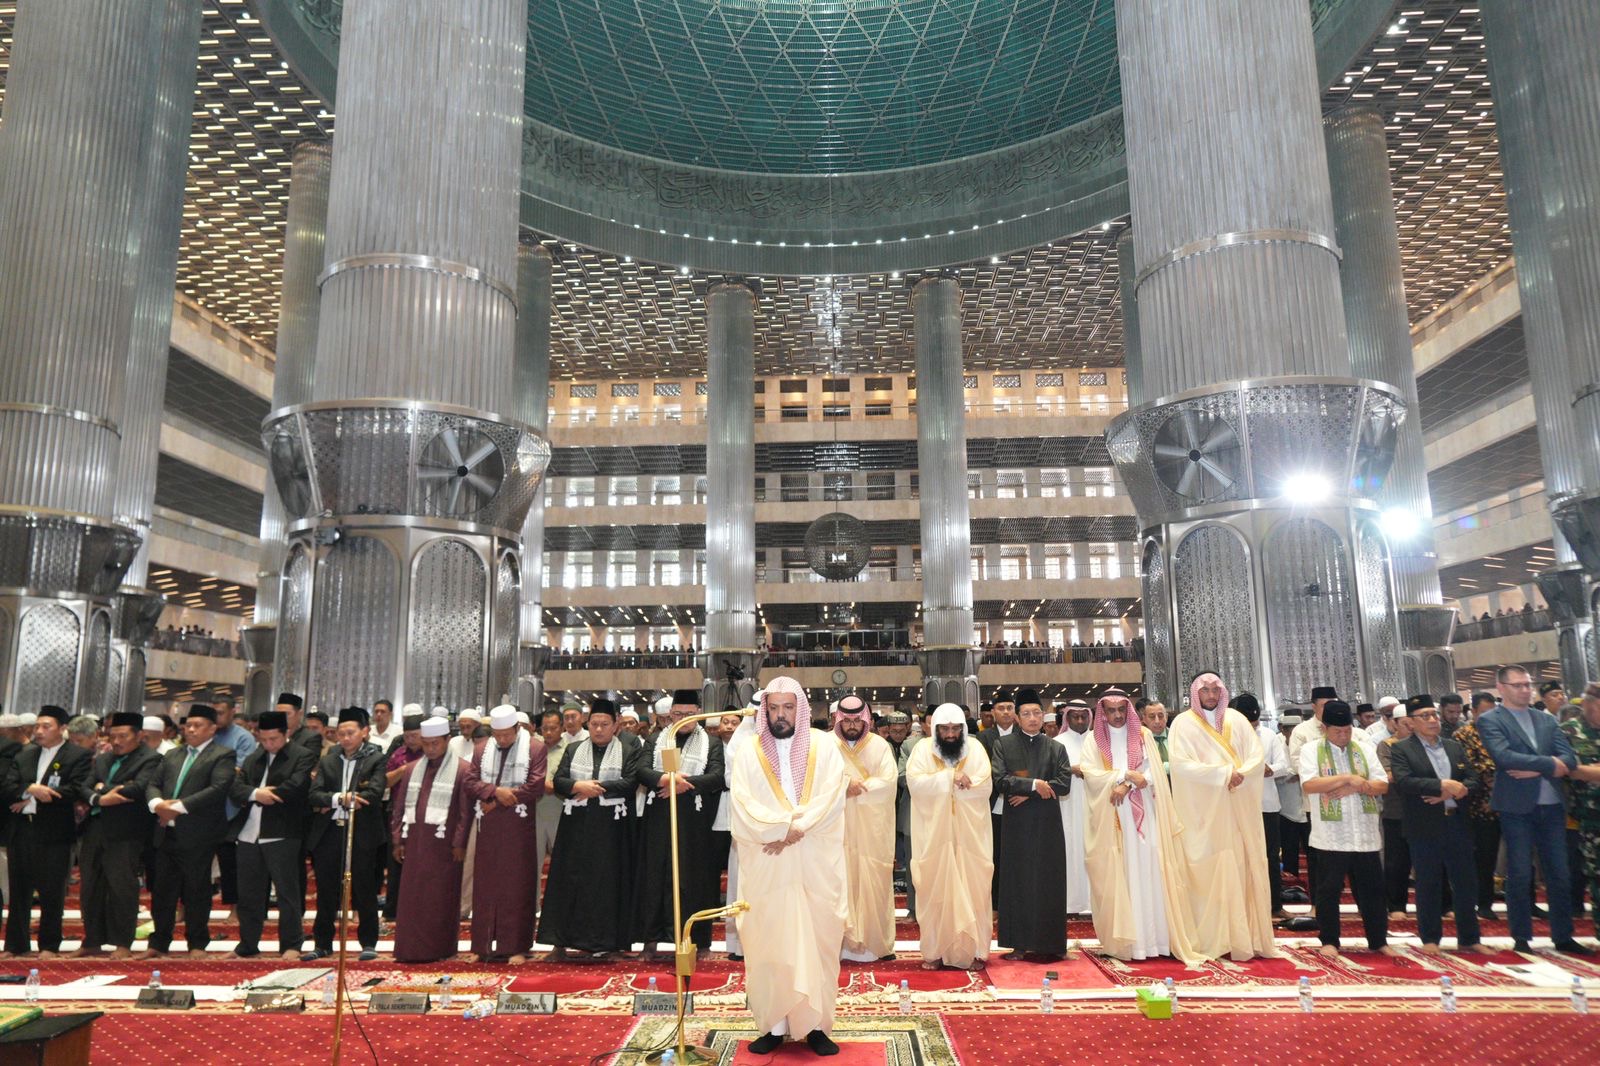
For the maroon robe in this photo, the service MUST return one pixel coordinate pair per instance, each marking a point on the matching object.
(504, 891)
(428, 925)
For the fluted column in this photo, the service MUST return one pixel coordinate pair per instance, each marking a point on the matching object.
(79, 94)
(159, 208)
(1132, 359)
(1379, 330)
(304, 241)
(733, 645)
(1240, 462)
(410, 477)
(531, 372)
(949, 660)
(1545, 241)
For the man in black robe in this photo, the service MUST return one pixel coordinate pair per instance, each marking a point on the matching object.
(271, 791)
(349, 782)
(115, 833)
(591, 866)
(698, 784)
(1032, 774)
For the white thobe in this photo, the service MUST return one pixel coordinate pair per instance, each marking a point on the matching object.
(1146, 890)
(1072, 828)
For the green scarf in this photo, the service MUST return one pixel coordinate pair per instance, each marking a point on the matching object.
(1333, 810)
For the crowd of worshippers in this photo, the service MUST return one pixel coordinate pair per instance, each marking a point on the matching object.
(1179, 836)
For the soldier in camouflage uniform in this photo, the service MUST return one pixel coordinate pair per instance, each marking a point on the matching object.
(1584, 791)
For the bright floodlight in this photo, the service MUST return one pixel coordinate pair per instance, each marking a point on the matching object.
(1306, 490)
(1400, 524)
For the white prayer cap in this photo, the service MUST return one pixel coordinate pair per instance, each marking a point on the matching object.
(663, 707)
(503, 717)
(27, 718)
(1399, 711)
(949, 714)
(1387, 702)
(154, 723)
(410, 709)
(439, 712)
(471, 712)
(435, 727)
(1051, 716)
(9, 721)
(523, 719)
(629, 712)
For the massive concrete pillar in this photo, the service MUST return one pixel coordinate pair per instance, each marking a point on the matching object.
(159, 207)
(733, 646)
(1379, 330)
(304, 241)
(531, 374)
(404, 491)
(78, 150)
(1253, 458)
(949, 660)
(1544, 240)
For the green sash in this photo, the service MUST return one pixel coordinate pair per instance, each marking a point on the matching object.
(1333, 810)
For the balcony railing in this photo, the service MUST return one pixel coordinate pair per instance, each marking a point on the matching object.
(1505, 625)
(1053, 407)
(993, 654)
(1533, 502)
(196, 644)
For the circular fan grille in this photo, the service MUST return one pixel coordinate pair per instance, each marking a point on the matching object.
(460, 469)
(290, 473)
(1196, 455)
(836, 546)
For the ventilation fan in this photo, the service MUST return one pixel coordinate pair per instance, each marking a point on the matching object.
(290, 472)
(1196, 454)
(461, 469)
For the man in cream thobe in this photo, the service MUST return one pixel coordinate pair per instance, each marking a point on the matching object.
(1216, 784)
(873, 778)
(952, 856)
(1136, 865)
(788, 824)
(1072, 738)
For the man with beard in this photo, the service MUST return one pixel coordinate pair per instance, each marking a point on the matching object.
(1072, 740)
(591, 868)
(952, 861)
(1141, 892)
(788, 824)
(428, 830)
(1033, 774)
(872, 773)
(505, 781)
(1216, 782)
(698, 784)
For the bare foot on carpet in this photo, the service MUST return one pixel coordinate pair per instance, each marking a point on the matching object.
(197, 953)
(978, 964)
(48, 955)
(517, 960)
(472, 956)
(931, 964)
(1391, 951)
(556, 955)
(121, 954)
(1430, 949)
(1328, 951)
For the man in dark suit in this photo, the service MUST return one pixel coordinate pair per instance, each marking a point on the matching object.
(115, 833)
(271, 791)
(1531, 754)
(10, 748)
(350, 781)
(48, 777)
(189, 800)
(1003, 712)
(299, 733)
(1431, 775)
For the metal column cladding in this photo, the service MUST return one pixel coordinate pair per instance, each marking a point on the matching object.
(1132, 359)
(1555, 232)
(942, 465)
(404, 490)
(1256, 457)
(731, 461)
(530, 372)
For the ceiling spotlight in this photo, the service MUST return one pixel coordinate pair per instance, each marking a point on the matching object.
(1400, 524)
(1306, 489)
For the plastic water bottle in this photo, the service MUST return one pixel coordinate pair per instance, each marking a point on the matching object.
(1580, 996)
(31, 993)
(445, 996)
(668, 1057)
(1047, 998)
(484, 1008)
(330, 995)
(1447, 994)
(155, 979)
(905, 996)
(1172, 993)
(1306, 1004)
(653, 986)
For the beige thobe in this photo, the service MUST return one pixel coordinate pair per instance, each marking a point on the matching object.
(952, 853)
(869, 847)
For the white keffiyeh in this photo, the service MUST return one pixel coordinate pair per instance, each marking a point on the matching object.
(516, 772)
(440, 797)
(691, 760)
(610, 770)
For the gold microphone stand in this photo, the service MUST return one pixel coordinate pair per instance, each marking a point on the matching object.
(344, 932)
(684, 954)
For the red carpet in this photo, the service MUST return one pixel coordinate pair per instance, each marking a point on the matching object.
(296, 1040)
(1328, 1038)
(851, 1053)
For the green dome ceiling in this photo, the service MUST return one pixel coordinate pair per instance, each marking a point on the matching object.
(808, 87)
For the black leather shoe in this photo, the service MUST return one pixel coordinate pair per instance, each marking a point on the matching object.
(766, 1045)
(1540, 913)
(1572, 947)
(1487, 914)
(1296, 894)
(818, 1042)
(1522, 947)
